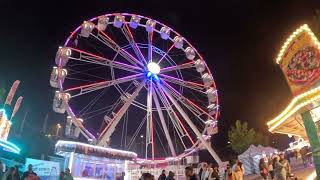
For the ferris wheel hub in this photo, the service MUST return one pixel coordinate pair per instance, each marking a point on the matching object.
(154, 68)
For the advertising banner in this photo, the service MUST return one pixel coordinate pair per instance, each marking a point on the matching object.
(300, 61)
(46, 170)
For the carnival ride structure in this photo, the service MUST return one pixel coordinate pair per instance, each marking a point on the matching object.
(131, 82)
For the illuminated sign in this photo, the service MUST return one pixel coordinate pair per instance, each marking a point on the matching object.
(299, 60)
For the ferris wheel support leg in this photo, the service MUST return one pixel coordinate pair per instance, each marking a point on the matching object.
(193, 127)
(107, 132)
(163, 123)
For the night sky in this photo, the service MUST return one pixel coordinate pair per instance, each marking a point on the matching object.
(239, 40)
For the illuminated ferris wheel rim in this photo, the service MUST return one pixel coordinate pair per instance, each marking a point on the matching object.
(151, 67)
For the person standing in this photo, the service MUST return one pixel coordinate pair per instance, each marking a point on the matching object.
(205, 172)
(13, 175)
(170, 176)
(271, 167)
(263, 169)
(200, 171)
(214, 173)
(228, 173)
(190, 174)
(123, 174)
(28, 172)
(162, 175)
(282, 168)
(61, 176)
(68, 175)
(238, 170)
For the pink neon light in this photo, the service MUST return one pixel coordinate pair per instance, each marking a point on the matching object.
(103, 33)
(187, 82)
(87, 85)
(127, 14)
(135, 43)
(172, 67)
(188, 100)
(165, 54)
(102, 82)
(103, 59)
(183, 127)
(87, 53)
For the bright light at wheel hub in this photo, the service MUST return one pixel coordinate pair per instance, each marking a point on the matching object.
(154, 68)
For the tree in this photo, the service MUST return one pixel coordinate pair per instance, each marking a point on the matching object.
(241, 137)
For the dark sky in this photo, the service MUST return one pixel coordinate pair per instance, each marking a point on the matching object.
(238, 39)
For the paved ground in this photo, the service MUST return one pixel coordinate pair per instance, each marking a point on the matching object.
(298, 170)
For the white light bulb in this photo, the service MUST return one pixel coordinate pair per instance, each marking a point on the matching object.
(154, 68)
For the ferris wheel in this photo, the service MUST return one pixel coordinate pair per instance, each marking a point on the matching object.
(131, 82)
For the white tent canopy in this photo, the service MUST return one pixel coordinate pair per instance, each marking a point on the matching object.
(251, 157)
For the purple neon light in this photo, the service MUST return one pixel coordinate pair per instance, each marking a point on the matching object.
(126, 14)
(166, 84)
(169, 68)
(143, 58)
(186, 82)
(103, 82)
(105, 59)
(165, 54)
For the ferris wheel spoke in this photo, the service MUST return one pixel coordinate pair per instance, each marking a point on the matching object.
(191, 124)
(150, 125)
(165, 54)
(178, 125)
(100, 85)
(105, 39)
(177, 67)
(150, 41)
(191, 85)
(127, 32)
(109, 129)
(96, 59)
(163, 124)
(84, 73)
(188, 102)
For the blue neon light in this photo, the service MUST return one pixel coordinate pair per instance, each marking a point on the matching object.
(152, 76)
(10, 146)
(4, 114)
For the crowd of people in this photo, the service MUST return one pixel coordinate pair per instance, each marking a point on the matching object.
(277, 167)
(206, 172)
(13, 173)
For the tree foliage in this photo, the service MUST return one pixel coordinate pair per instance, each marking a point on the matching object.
(241, 137)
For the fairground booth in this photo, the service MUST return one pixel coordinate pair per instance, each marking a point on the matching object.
(299, 60)
(87, 161)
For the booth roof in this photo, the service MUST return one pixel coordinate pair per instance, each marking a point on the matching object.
(257, 150)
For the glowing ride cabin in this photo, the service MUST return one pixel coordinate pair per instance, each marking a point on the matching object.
(299, 59)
